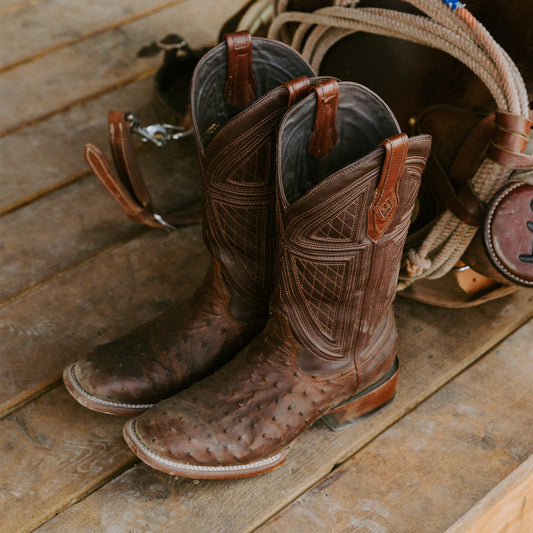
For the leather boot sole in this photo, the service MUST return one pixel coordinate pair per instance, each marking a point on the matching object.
(98, 404)
(176, 468)
(363, 404)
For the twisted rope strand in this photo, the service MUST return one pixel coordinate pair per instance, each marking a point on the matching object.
(456, 32)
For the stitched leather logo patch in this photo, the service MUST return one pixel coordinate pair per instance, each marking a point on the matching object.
(508, 232)
(528, 258)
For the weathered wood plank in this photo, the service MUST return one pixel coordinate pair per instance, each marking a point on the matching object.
(430, 356)
(96, 302)
(49, 154)
(508, 508)
(87, 69)
(32, 30)
(432, 466)
(51, 450)
(8, 6)
(66, 227)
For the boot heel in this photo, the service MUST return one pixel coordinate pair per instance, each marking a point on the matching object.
(364, 403)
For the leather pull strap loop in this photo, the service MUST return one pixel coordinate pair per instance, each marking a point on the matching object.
(123, 151)
(128, 187)
(240, 85)
(324, 134)
(510, 140)
(298, 88)
(385, 200)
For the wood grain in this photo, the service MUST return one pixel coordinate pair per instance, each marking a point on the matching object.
(53, 450)
(49, 154)
(70, 225)
(87, 69)
(79, 20)
(76, 273)
(427, 470)
(436, 344)
(508, 508)
(8, 6)
(96, 302)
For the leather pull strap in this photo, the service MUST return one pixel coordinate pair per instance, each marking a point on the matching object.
(123, 151)
(118, 190)
(324, 134)
(128, 187)
(298, 88)
(510, 140)
(385, 200)
(240, 85)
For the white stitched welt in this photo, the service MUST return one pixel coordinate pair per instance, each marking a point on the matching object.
(489, 240)
(76, 384)
(194, 468)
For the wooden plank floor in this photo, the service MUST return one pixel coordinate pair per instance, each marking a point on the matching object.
(76, 273)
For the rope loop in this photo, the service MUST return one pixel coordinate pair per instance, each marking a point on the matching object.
(448, 26)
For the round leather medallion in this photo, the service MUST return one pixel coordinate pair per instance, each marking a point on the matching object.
(508, 232)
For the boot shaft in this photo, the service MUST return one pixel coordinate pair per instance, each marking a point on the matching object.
(342, 221)
(237, 102)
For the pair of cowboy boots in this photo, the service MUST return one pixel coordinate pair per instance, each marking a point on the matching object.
(308, 189)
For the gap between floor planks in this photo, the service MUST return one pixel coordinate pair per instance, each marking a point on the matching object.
(60, 164)
(8, 6)
(429, 359)
(108, 59)
(142, 499)
(80, 21)
(431, 467)
(82, 221)
(96, 302)
(506, 508)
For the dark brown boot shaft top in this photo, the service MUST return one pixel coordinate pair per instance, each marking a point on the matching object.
(344, 199)
(236, 146)
(237, 103)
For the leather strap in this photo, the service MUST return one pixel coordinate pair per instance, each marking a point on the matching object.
(453, 188)
(465, 165)
(240, 85)
(510, 140)
(127, 186)
(385, 200)
(324, 134)
(297, 88)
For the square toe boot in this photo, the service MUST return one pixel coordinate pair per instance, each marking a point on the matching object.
(237, 102)
(346, 186)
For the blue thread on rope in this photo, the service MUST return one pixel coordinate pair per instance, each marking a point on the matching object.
(453, 4)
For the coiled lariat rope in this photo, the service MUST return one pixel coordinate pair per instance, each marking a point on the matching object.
(447, 26)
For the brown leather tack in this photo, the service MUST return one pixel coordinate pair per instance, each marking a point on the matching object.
(240, 86)
(510, 140)
(297, 88)
(508, 232)
(324, 135)
(385, 203)
(329, 347)
(191, 340)
(127, 187)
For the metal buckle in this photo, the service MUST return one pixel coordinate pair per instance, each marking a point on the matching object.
(159, 134)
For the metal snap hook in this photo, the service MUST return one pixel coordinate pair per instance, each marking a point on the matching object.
(159, 134)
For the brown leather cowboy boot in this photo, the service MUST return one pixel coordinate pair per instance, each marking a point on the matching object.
(237, 103)
(344, 202)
